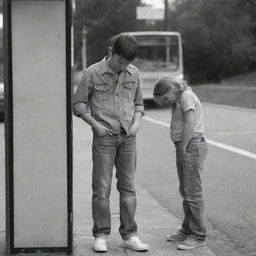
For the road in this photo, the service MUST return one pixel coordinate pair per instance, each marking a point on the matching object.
(229, 175)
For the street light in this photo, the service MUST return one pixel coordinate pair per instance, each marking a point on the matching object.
(166, 20)
(84, 62)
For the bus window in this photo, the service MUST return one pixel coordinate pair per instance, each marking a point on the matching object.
(157, 53)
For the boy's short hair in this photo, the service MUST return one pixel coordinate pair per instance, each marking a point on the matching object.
(167, 83)
(125, 46)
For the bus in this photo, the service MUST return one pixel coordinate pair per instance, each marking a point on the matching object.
(159, 55)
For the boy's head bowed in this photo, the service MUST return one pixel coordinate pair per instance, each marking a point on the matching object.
(125, 46)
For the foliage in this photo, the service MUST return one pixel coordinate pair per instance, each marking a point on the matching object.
(1, 48)
(219, 37)
(102, 19)
(1, 57)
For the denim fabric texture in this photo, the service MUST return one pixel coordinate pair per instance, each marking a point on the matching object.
(190, 168)
(109, 151)
(111, 100)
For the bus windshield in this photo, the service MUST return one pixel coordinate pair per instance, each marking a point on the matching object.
(157, 53)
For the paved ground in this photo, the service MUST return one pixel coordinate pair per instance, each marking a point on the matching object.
(158, 200)
(228, 177)
(153, 219)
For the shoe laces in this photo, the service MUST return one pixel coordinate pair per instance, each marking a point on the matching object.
(136, 240)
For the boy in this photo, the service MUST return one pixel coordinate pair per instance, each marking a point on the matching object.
(109, 99)
(187, 133)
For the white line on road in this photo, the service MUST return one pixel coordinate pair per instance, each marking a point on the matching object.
(232, 133)
(156, 121)
(211, 142)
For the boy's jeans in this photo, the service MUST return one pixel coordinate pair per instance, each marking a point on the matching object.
(118, 150)
(190, 167)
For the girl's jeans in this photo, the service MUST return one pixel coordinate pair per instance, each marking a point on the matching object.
(118, 150)
(190, 167)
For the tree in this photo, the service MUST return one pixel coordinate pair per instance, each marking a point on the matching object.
(102, 19)
(218, 36)
(1, 57)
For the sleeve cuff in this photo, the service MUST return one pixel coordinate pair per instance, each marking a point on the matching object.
(140, 108)
(80, 108)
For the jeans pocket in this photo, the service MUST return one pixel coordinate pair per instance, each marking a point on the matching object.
(99, 136)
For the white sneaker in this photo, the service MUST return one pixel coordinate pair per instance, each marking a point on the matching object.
(134, 243)
(100, 244)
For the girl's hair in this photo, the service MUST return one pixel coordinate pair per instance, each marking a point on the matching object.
(125, 46)
(167, 83)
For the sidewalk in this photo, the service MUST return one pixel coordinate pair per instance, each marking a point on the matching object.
(154, 221)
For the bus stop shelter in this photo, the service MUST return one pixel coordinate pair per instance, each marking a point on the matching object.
(38, 125)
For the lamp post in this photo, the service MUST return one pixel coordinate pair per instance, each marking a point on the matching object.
(166, 18)
(72, 34)
(84, 62)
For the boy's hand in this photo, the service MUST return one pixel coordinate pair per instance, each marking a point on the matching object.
(101, 130)
(183, 151)
(134, 129)
(183, 148)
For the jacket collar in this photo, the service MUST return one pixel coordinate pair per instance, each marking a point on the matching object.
(106, 69)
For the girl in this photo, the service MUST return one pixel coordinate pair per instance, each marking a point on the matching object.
(187, 133)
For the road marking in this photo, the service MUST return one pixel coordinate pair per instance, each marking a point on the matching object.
(233, 133)
(156, 121)
(211, 142)
(207, 104)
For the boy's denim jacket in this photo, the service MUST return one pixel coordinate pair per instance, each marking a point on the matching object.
(110, 102)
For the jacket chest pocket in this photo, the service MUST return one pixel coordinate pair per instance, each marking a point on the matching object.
(101, 91)
(129, 90)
